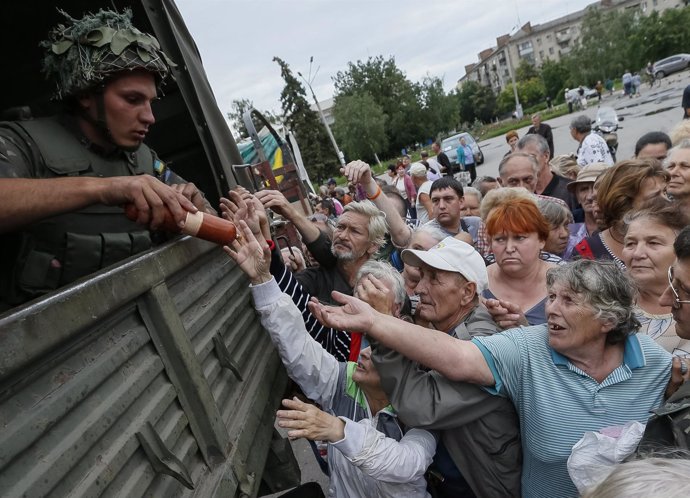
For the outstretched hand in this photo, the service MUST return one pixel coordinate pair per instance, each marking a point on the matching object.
(236, 208)
(355, 314)
(358, 172)
(252, 256)
(505, 314)
(307, 421)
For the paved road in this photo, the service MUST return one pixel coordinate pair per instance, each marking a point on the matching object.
(657, 109)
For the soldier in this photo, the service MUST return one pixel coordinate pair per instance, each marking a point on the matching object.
(64, 179)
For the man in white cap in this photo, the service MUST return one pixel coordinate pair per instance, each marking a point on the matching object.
(480, 449)
(418, 173)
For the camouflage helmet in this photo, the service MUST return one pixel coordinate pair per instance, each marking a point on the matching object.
(83, 53)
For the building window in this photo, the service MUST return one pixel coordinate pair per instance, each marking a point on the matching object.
(541, 54)
(551, 50)
(539, 41)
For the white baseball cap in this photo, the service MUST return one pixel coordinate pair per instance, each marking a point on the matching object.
(452, 255)
(417, 169)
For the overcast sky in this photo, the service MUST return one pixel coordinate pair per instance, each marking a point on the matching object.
(239, 38)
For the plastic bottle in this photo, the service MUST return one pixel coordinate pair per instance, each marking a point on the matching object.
(201, 225)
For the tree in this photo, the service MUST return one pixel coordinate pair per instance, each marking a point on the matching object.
(440, 111)
(604, 49)
(236, 113)
(525, 71)
(476, 102)
(359, 126)
(555, 77)
(392, 91)
(319, 157)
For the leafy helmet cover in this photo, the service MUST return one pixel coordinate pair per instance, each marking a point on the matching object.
(83, 53)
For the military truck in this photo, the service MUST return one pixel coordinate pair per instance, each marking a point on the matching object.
(152, 377)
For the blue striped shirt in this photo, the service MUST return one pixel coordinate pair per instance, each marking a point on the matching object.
(557, 402)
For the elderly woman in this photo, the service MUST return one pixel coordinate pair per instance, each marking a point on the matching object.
(559, 219)
(405, 186)
(369, 453)
(620, 189)
(648, 254)
(517, 281)
(584, 370)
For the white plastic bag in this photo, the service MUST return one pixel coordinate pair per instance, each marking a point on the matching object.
(593, 456)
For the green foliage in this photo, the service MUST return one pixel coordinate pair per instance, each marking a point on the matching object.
(359, 126)
(476, 102)
(236, 112)
(319, 157)
(530, 93)
(605, 50)
(658, 36)
(525, 71)
(555, 76)
(392, 91)
(439, 110)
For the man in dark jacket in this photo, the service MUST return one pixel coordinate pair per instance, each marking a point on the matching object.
(539, 128)
(442, 159)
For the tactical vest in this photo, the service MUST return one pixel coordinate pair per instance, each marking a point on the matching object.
(58, 250)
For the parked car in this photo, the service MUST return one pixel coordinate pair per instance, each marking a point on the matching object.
(449, 146)
(574, 94)
(672, 64)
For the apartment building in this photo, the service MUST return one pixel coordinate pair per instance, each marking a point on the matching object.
(549, 40)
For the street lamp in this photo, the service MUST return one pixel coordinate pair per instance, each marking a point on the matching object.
(341, 156)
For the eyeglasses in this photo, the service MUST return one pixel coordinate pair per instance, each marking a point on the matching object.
(677, 302)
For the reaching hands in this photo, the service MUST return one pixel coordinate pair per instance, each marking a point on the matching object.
(272, 199)
(307, 421)
(236, 208)
(150, 196)
(355, 314)
(506, 315)
(252, 256)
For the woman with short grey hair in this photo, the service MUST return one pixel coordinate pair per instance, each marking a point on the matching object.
(584, 370)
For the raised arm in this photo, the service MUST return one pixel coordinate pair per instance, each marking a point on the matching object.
(276, 201)
(306, 362)
(454, 359)
(360, 172)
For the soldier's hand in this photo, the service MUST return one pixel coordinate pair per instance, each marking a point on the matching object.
(195, 195)
(150, 196)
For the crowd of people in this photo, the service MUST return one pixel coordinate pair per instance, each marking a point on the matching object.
(453, 341)
(532, 308)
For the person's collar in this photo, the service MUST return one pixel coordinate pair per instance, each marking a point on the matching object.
(633, 357)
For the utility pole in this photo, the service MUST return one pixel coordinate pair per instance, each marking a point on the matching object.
(341, 156)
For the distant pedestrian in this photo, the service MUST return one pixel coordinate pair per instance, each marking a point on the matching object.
(627, 83)
(442, 159)
(686, 102)
(467, 163)
(599, 88)
(636, 84)
(549, 105)
(539, 128)
(609, 86)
